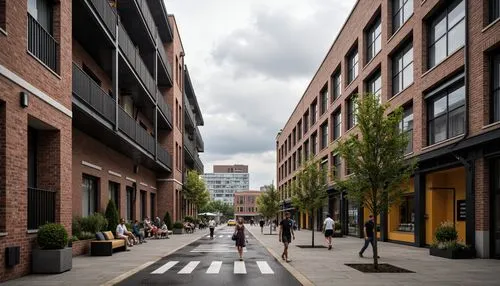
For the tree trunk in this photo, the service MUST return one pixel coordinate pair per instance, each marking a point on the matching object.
(312, 227)
(375, 248)
(270, 228)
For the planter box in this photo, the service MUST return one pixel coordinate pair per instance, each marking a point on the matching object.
(178, 231)
(453, 253)
(52, 261)
(81, 247)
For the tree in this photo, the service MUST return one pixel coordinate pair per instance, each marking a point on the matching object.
(376, 159)
(269, 203)
(218, 207)
(168, 220)
(310, 189)
(195, 190)
(112, 216)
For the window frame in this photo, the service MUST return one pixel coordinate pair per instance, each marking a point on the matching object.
(337, 124)
(313, 111)
(372, 37)
(493, 11)
(323, 100)
(314, 143)
(337, 166)
(409, 147)
(495, 98)
(336, 85)
(400, 55)
(351, 112)
(324, 135)
(352, 65)
(400, 11)
(370, 84)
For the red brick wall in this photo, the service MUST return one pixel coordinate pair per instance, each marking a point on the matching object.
(81, 247)
(482, 190)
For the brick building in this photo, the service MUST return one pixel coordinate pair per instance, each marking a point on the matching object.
(95, 104)
(439, 60)
(245, 205)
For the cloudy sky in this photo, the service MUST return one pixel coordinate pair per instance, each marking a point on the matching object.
(250, 62)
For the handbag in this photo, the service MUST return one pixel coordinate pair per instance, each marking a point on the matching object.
(234, 236)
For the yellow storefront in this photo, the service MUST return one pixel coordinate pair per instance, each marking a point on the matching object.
(401, 218)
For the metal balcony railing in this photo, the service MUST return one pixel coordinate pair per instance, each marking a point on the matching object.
(164, 107)
(199, 165)
(146, 13)
(164, 156)
(42, 45)
(41, 207)
(164, 58)
(189, 111)
(135, 131)
(134, 58)
(107, 14)
(199, 140)
(87, 90)
(190, 146)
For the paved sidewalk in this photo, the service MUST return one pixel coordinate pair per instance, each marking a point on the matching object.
(103, 270)
(323, 267)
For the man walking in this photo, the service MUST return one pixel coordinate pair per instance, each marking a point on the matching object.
(328, 227)
(261, 223)
(369, 235)
(286, 235)
(211, 226)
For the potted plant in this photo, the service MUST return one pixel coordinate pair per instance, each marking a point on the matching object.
(446, 244)
(178, 227)
(337, 230)
(53, 255)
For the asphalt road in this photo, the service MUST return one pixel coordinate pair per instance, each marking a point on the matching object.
(215, 262)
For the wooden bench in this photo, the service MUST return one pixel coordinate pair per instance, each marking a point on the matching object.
(106, 247)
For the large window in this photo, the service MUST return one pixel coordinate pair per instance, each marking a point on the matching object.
(299, 156)
(89, 195)
(324, 135)
(446, 32)
(494, 10)
(153, 204)
(373, 40)
(337, 124)
(407, 214)
(407, 126)
(374, 85)
(314, 111)
(324, 100)
(402, 69)
(352, 66)
(351, 112)
(306, 150)
(144, 205)
(41, 42)
(130, 203)
(114, 193)
(446, 113)
(401, 11)
(336, 85)
(314, 143)
(337, 165)
(495, 92)
(306, 121)
(299, 130)
(294, 136)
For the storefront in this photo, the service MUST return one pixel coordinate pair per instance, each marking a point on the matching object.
(495, 208)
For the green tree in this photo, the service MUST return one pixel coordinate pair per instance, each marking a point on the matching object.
(112, 215)
(214, 206)
(376, 158)
(168, 220)
(310, 190)
(269, 203)
(195, 190)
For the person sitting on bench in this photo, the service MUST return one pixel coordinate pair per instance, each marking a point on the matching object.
(123, 233)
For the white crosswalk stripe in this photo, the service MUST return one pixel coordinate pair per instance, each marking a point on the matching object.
(165, 267)
(264, 267)
(239, 267)
(189, 267)
(214, 267)
(221, 236)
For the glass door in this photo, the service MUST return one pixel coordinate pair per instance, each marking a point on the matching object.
(495, 177)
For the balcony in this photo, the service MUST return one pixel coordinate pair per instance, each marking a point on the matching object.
(137, 19)
(134, 59)
(163, 156)
(135, 131)
(166, 111)
(198, 165)
(200, 145)
(42, 45)
(189, 118)
(160, 15)
(107, 14)
(164, 67)
(190, 147)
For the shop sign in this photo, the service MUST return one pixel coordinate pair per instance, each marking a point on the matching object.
(461, 210)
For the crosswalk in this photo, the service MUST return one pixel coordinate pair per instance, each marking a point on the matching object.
(239, 267)
(221, 236)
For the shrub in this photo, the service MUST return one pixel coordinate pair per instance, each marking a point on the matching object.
(74, 238)
(178, 225)
(112, 216)
(338, 226)
(93, 223)
(446, 232)
(168, 220)
(188, 219)
(76, 228)
(52, 236)
(452, 244)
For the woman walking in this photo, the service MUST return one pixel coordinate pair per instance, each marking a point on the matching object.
(239, 233)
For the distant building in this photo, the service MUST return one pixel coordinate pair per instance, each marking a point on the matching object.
(226, 180)
(245, 204)
(264, 188)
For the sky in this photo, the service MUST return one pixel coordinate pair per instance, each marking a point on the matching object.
(250, 61)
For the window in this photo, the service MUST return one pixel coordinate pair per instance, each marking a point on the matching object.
(407, 214)
(348, 170)
(401, 12)
(324, 167)
(374, 85)
(294, 136)
(41, 42)
(324, 100)
(336, 85)
(306, 150)
(352, 66)
(402, 69)
(130, 203)
(306, 122)
(299, 156)
(299, 130)
(144, 205)
(351, 112)
(494, 10)
(153, 204)
(294, 161)
(314, 112)
(314, 143)
(407, 126)
(324, 135)
(495, 92)
(337, 165)
(337, 124)
(446, 112)
(289, 142)
(446, 32)
(89, 195)
(114, 193)
(373, 40)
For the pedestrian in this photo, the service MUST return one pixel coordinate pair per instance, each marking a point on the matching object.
(261, 223)
(211, 225)
(286, 235)
(328, 227)
(369, 235)
(239, 234)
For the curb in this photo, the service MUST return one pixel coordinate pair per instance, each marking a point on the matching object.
(299, 276)
(129, 273)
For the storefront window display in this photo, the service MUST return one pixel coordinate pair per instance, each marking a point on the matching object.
(353, 220)
(407, 214)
